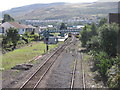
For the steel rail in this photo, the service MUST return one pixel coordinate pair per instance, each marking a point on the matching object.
(74, 70)
(83, 74)
(45, 72)
(73, 75)
(41, 67)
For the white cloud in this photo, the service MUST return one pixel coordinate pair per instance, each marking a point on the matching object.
(8, 4)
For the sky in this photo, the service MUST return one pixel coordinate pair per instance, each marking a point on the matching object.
(8, 4)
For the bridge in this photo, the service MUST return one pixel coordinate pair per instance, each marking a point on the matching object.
(61, 31)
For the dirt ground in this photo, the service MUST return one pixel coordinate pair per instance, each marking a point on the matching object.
(60, 73)
(10, 78)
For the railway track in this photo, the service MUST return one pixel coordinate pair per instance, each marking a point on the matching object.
(83, 74)
(74, 73)
(36, 78)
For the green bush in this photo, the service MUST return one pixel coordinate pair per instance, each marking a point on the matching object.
(85, 35)
(25, 39)
(108, 34)
(36, 37)
(103, 63)
(94, 44)
(103, 48)
(21, 42)
(114, 77)
(30, 37)
(114, 74)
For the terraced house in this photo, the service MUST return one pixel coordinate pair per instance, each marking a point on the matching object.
(22, 28)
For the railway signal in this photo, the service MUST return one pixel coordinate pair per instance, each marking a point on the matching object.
(46, 37)
(47, 47)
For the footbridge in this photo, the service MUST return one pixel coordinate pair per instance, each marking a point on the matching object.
(61, 31)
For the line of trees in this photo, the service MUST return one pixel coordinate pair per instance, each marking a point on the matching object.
(101, 42)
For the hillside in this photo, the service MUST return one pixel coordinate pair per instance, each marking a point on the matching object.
(62, 10)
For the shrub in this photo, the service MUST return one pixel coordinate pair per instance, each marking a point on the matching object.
(85, 35)
(103, 63)
(94, 44)
(114, 74)
(25, 39)
(36, 37)
(108, 34)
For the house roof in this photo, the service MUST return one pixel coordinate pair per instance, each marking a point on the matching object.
(24, 26)
(30, 26)
(17, 25)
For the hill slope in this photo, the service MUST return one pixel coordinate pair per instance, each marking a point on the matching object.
(62, 10)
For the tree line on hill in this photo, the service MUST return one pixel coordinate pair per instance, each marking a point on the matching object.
(100, 41)
(7, 18)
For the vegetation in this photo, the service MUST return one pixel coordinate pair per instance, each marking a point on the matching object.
(87, 33)
(101, 42)
(7, 18)
(23, 55)
(63, 26)
(102, 21)
(12, 41)
(108, 34)
(11, 38)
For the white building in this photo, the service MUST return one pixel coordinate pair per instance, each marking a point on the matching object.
(80, 26)
(21, 27)
(51, 40)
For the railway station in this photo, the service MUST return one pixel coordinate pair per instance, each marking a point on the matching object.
(60, 45)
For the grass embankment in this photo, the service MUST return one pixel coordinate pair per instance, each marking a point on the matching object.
(24, 54)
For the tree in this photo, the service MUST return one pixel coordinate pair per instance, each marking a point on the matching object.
(63, 26)
(13, 36)
(94, 44)
(7, 18)
(108, 34)
(102, 21)
(85, 35)
(94, 29)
